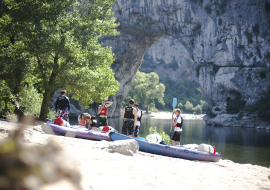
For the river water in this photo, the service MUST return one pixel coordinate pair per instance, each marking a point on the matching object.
(241, 145)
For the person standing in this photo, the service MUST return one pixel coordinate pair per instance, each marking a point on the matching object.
(103, 112)
(130, 117)
(62, 106)
(138, 122)
(177, 122)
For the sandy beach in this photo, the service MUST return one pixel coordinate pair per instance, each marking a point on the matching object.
(100, 169)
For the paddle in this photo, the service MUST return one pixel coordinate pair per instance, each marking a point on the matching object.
(173, 105)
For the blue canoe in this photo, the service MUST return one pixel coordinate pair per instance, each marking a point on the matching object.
(76, 132)
(172, 151)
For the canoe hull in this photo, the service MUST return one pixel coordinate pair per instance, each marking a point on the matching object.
(172, 151)
(75, 132)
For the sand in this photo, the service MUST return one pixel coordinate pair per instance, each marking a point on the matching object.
(103, 170)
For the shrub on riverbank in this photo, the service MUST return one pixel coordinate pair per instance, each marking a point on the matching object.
(164, 136)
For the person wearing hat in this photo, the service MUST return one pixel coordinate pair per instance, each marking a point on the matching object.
(138, 122)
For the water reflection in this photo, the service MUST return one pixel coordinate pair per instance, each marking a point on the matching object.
(241, 145)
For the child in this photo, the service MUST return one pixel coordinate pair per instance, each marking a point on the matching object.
(94, 124)
(88, 122)
(177, 122)
(82, 120)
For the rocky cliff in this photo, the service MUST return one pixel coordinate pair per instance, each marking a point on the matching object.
(226, 39)
(169, 58)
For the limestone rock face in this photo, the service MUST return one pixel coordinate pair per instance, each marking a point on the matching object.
(169, 58)
(227, 41)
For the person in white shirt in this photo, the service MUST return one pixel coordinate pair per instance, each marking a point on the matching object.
(138, 122)
(177, 122)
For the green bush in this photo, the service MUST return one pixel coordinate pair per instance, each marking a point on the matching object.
(189, 106)
(30, 100)
(6, 97)
(197, 109)
(262, 106)
(164, 136)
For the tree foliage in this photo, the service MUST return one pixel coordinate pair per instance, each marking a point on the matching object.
(262, 106)
(184, 91)
(145, 90)
(30, 100)
(54, 44)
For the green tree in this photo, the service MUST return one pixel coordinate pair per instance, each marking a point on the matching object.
(146, 89)
(59, 43)
(30, 100)
(189, 106)
(6, 96)
(197, 109)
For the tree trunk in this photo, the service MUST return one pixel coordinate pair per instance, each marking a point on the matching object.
(47, 97)
(147, 109)
(49, 90)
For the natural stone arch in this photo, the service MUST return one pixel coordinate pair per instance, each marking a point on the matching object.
(210, 42)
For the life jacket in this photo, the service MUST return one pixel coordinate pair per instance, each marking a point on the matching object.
(129, 112)
(178, 124)
(63, 102)
(104, 111)
(139, 118)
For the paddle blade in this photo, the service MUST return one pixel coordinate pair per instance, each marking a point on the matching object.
(174, 103)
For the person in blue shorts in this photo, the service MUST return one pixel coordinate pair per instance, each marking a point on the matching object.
(130, 118)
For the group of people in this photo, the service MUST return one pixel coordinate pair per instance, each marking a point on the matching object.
(62, 107)
(131, 114)
(88, 121)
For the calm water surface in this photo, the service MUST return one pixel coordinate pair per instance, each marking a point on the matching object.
(241, 145)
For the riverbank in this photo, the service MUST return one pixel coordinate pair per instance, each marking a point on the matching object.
(168, 115)
(100, 169)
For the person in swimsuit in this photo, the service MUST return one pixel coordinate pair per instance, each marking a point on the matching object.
(88, 122)
(82, 120)
(103, 112)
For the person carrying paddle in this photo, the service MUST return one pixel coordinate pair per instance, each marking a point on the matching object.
(103, 112)
(130, 117)
(177, 122)
(138, 122)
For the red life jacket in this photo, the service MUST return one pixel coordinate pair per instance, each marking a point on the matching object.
(104, 111)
